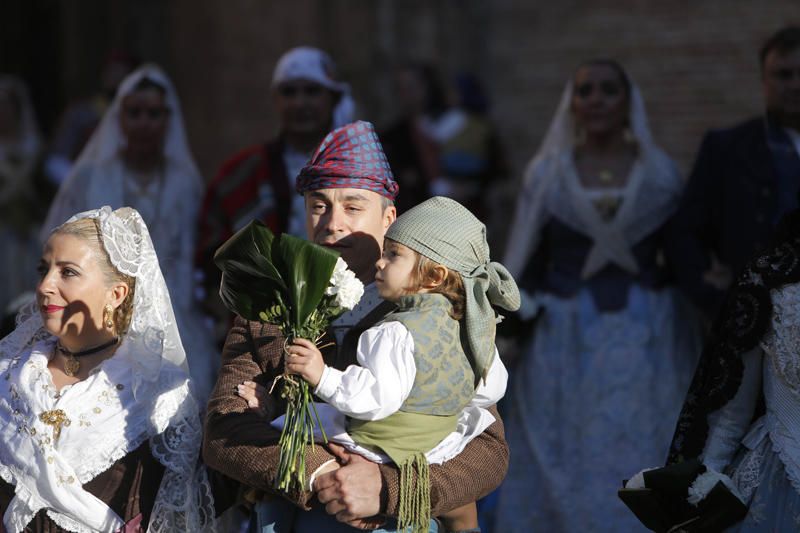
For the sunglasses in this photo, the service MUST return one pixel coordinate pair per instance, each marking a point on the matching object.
(606, 88)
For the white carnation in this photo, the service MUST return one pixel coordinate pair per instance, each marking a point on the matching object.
(344, 284)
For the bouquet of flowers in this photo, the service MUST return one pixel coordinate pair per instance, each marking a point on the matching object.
(300, 287)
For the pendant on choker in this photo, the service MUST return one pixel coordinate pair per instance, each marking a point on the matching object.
(606, 176)
(72, 365)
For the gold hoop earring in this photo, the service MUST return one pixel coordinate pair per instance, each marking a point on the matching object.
(108, 316)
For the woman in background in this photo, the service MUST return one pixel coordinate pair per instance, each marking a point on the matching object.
(600, 382)
(139, 157)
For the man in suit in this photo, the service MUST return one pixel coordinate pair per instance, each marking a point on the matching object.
(349, 196)
(744, 180)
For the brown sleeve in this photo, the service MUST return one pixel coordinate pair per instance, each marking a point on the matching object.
(239, 442)
(471, 475)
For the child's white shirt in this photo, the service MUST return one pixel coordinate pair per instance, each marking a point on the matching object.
(378, 388)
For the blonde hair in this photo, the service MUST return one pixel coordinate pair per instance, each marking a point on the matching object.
(88, 230)
(452, 287)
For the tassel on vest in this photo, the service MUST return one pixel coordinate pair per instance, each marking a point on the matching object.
(415, 494)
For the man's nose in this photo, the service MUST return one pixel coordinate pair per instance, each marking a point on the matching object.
(335, 219)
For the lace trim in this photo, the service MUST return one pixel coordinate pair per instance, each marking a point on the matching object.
(783, 455)
(26, 499)
(747, 476)
(65, 522)
(782, 342)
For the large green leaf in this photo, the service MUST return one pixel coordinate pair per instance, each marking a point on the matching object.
(250, 282)
(307, 269)
(251, 246)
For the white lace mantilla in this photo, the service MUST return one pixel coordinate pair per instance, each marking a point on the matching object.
(140, 394)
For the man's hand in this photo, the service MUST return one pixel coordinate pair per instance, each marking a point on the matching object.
(305, 359)
(353, 492)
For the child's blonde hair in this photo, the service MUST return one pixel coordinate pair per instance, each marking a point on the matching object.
(452, 287)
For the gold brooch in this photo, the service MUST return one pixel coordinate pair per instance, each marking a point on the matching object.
(56, 418)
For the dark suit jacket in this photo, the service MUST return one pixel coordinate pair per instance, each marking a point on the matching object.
(727, 208)
(242, 445)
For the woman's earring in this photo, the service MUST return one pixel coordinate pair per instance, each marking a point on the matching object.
(108, 316)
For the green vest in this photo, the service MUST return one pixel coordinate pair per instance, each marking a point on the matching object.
(444, 383)
(443, 386)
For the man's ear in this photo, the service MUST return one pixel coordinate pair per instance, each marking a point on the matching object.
(389, 216)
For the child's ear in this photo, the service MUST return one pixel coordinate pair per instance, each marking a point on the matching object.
(436, 277)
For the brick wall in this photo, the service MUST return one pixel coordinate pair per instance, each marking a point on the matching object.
(694, 61)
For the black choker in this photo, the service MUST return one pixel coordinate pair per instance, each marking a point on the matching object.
(72, 365)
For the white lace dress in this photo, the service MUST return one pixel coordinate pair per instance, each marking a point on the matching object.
(596, 393)
(596, 396)
(763, 458)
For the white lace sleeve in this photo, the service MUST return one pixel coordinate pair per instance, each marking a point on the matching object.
(728, 426)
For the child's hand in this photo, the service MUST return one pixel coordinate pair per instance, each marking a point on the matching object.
(305, 359)
(255, 395)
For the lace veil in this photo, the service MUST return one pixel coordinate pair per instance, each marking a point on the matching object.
(159, 377)
(105, 144)
(551, 189)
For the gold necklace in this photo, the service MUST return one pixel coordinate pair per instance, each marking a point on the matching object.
(72, 365)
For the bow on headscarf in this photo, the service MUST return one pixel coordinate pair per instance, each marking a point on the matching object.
(444, 231)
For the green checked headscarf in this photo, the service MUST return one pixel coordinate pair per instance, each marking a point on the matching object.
(445, 231)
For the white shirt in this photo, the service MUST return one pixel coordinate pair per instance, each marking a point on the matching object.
(368, 302)
(383, 381)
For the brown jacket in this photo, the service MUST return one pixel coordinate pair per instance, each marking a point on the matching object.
(240, 444)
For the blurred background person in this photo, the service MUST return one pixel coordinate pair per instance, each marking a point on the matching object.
(744, 179)
(474, 169)
(259, 182)
(409, 142)
(601, 379)
(139, 157)
(443, 143)
(20, 209)
(82, 116)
